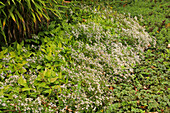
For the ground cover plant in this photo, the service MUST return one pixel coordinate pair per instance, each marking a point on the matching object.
(95, 60)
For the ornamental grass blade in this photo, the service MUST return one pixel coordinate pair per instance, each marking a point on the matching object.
(4, 13)
(37, 15)
(46, 16)
(37, 6)
(2, 3)
(17, 22)
(41, 2)
(8, 1)
(11, 13)
(55, 12)
(29, 4)
(2, 32)
(13, 17)
(34, 18)
(14, 2)
(19, 15)
(4, 22)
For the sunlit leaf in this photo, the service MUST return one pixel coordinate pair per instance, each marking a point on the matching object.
(52, 80)
(12, 15)
(26, 89)
(22, 81)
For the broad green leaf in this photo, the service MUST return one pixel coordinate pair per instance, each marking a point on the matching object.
(60, 75)
(56, 87)
(39, 67)
(48, 57)
(12, 54)
(22, 70)
(98, 7)
(43, 85)
(18, 47)
(48, 91)
(48, 73)
(2, 53)
(26, 89)
(40, 77)
(52, 80)
(59, 45)
(24, 62)
(22, 81)
(1, 92)
(48, 65)
(43, 50)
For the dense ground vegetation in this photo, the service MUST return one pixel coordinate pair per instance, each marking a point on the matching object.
(102, 56)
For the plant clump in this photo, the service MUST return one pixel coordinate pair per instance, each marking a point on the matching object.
(84, 67)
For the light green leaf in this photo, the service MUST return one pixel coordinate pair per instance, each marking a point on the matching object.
(22, 81)
(56, 87)
(43, 50)
(13, 2)
(26, 89)
(60, 75)
(59, 45)
(52, 80)
(39, 67)
(48, 91)
(2, 3)
(48, 57)
(1, 92)
(43, 85)
(98, 7)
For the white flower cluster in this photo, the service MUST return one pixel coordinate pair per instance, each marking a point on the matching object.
(99, 55)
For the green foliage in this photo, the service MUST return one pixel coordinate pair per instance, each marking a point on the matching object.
(151, 75)
(40, 69)
(76, 64)
(154, 17)
(19, 19)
